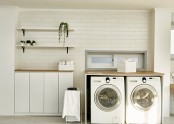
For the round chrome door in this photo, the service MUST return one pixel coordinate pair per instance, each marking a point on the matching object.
(107, 97)
(144, 97)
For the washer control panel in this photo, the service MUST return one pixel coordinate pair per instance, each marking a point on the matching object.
(144, 80)
(107, 79)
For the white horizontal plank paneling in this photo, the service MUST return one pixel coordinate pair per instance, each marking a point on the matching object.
(93, 30)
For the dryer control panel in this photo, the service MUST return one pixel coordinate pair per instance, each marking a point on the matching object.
(106, 80)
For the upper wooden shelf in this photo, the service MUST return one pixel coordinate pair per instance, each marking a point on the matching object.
(40, 29)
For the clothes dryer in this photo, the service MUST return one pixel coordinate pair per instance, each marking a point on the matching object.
(107, 100)
(143, 100)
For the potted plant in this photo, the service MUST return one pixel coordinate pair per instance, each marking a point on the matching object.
(33, 42)
(28, 42)
(63, 30)
(22, 42)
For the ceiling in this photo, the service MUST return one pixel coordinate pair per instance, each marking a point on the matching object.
(89, 4)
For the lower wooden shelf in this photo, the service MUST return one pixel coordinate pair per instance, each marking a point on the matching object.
(46, 46)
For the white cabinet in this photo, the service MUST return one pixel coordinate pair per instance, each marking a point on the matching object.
(21, 92)
(65, 81)
(41, 92)
(51, 93)
(36, 92)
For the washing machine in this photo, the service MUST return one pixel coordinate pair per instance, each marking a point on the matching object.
(107, 100)
(143, 100)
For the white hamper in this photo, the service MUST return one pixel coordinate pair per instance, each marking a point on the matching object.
(71, 108)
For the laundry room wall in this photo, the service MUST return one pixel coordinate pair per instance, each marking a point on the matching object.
(128, 30)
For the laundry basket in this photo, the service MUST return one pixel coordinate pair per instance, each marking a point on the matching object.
(72, 106)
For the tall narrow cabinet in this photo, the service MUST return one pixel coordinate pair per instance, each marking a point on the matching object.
(22, 93)
(36, 92)
(51, 93)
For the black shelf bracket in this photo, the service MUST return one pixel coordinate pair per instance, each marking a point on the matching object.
(67, 50)
(23, 31)
(23, 49)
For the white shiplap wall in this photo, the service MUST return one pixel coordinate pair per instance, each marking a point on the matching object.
(94, 30)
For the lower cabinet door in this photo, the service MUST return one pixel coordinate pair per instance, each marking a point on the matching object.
(65, 81)
(36, 92)
(51, 93)
(22, 92)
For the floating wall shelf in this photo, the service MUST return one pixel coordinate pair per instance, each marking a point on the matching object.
(44, 46)
(39, 29)
(24, 29)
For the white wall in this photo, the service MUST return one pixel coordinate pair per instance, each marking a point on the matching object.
(94, 30)
(162, 27)
(7, 42)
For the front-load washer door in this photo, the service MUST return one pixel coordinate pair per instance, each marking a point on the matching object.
(107, 97)
(143, 97)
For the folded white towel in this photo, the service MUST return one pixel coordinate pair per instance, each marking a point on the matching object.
(71, 108)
